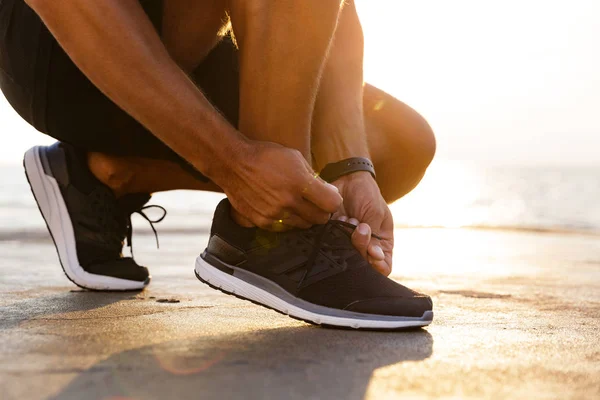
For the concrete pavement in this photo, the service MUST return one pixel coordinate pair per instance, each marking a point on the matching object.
(517, 316)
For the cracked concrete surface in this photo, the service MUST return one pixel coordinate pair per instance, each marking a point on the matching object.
(517, 316)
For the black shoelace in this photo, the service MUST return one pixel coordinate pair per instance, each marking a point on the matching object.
(320, 245)
(150, 221)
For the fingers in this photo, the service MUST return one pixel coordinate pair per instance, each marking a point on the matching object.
(294, 221)
(372, 252)
(301, 214)
(322, 194)
(377, 259)
(361, 238)
(310, 212)
(368, 246)
(280, 225)
(381, 266)
(282, 222)
(376, 252)
(289, 221)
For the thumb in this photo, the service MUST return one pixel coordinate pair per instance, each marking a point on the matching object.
(361, 238)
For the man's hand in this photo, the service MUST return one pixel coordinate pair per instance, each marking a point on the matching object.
(365, 207)
(274, 187)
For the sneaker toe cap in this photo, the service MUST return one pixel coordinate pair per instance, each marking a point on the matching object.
(395, 306)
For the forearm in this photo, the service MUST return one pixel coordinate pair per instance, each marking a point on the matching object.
(116, 46)
(338, 130)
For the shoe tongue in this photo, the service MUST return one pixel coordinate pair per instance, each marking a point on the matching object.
(130, 203)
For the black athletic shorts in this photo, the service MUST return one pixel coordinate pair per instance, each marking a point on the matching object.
(52, 94)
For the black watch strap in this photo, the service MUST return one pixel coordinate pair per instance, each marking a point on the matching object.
(334, 171)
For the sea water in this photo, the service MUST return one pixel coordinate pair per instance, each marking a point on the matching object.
(452, 195)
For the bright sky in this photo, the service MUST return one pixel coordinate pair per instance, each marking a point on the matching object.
(510, 82)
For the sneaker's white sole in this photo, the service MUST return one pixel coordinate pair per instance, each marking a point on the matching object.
(52, 206)
(229, 284)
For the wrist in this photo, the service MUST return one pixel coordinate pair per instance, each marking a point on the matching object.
(353, 178)
(333, 171)
(334, 148)
(228, 159)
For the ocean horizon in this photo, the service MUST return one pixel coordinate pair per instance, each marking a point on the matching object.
(452, 195)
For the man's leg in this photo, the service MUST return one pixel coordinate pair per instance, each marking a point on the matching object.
(190, 30)
(308, 274)
(88, 223)
(401, 145)
(283, 48)
(127, 175)
(339, 132)
(279, 81)
(400, 142)
(280, 68)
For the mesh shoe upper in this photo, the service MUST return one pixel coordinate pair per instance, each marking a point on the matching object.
(101, 222)
(319, 265)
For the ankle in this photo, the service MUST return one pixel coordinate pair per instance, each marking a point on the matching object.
(114, 172)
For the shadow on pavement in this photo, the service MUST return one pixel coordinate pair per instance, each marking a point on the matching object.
(17, 312)
(285, 363)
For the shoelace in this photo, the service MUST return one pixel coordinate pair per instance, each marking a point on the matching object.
(150, 221)
(318, 244)
(350, 226)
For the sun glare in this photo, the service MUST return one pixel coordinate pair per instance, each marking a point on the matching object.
(511, 82)
(444, 198)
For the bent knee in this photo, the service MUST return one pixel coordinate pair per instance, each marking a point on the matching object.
(407, 140)
(396, 131)
(410, 153)
(425, 143)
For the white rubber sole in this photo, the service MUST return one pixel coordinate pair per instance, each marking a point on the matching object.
(52, 206)
(238, 287)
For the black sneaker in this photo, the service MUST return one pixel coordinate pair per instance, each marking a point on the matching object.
(86, 221)
(315, 275)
